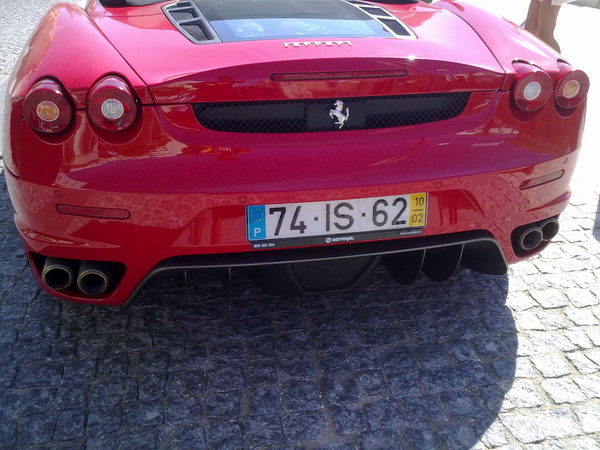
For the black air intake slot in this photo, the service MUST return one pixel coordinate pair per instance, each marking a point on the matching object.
(395, 26)
(317, 115)
(188, 19)
(391, 23)
(375, 11)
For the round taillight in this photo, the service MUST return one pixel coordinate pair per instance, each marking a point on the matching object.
(46, 107)
(531, 89)
(111, 104)
(572, 86)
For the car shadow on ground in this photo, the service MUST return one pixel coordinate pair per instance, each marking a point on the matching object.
(385, 367)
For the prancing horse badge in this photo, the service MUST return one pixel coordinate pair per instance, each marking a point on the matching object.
(338, 113)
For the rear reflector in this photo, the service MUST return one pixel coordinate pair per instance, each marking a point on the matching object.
(100, 213)
(541, 180)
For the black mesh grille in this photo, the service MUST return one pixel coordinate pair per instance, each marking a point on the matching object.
(331, 275)
(301, 116)
(395, 26)
(179, 16)
(195, 31)
(375, 11)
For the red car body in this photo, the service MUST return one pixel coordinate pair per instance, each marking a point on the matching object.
(101, 211)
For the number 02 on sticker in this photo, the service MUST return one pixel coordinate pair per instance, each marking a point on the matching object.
(292, 220)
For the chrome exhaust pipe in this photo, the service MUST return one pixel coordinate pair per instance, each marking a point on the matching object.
(59, 274)
(530, 238)
(550, 229)
(93, 277)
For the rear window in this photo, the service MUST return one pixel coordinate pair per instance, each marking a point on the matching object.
(242, 20)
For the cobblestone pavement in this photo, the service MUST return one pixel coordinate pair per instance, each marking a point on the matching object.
(478, 362)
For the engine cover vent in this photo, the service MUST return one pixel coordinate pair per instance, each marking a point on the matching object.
(387, 20)
(188, 19)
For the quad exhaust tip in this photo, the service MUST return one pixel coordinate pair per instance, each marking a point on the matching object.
(528, 238)
(59, 274)
(90, 277)
(550, 229)
(531, 238)
(93, 278)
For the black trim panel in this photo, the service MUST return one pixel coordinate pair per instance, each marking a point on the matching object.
(475, 242)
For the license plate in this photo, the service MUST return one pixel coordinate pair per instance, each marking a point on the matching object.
(338, 217)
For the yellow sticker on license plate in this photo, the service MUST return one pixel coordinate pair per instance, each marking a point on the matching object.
(418, 208)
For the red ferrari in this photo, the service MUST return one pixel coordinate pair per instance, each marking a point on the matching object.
(307, 142)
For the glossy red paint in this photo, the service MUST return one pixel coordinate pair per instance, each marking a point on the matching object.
(186, 187)
(507, 41)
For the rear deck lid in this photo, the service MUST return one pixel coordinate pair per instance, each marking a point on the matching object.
(238, 50)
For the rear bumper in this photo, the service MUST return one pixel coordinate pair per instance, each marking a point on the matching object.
(186, 189)
(480, 226)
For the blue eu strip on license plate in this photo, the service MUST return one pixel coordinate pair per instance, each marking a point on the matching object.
(257, 222)
(405, 214)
